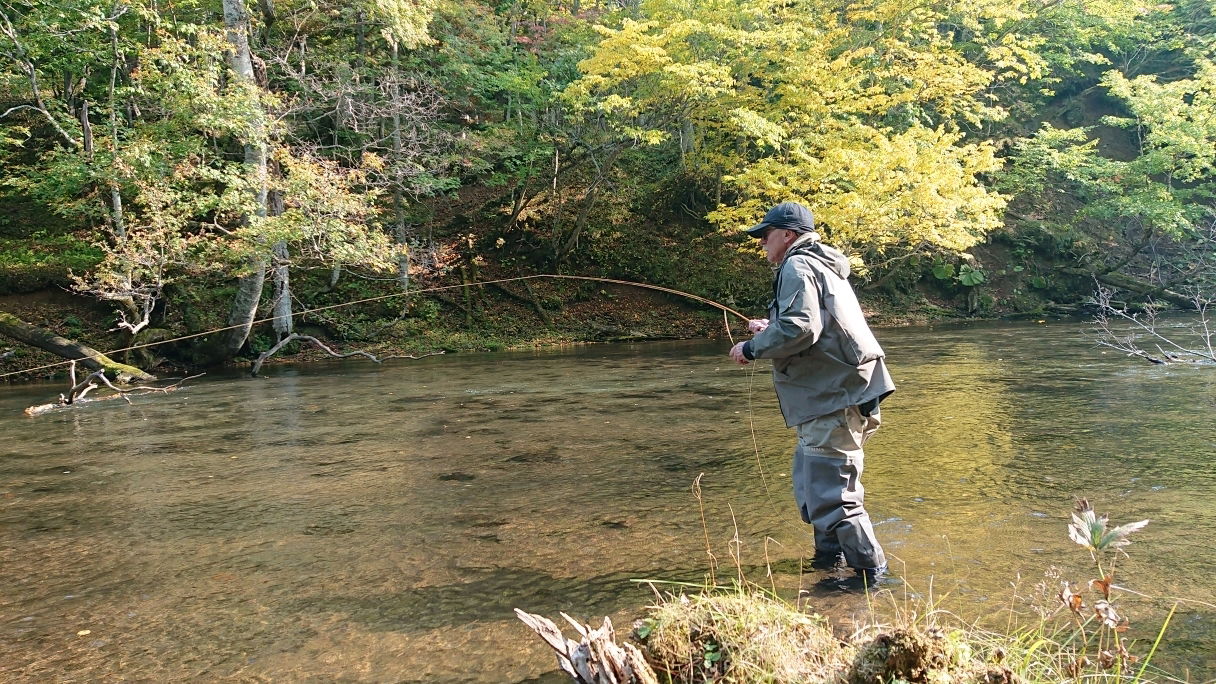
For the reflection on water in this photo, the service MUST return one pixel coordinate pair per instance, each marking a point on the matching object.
(378, 523)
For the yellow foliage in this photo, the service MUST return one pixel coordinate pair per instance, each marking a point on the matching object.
(855, 111)
(403, 22)
(876, 189)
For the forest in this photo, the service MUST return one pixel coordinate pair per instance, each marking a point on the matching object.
(174, 168)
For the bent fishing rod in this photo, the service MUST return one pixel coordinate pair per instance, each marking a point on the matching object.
(725, 310)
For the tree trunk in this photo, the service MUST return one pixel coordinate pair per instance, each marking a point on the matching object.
(281, 271)
(249, 289)
(86, 129)
(585, 205)
(400, 233)
(17, 329)
(282, 292)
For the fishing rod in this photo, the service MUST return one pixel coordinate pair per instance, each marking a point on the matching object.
(725, 310)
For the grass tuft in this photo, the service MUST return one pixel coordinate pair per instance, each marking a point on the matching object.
(745, 635)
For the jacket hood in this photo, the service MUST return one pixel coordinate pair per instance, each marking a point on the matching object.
(809, 245)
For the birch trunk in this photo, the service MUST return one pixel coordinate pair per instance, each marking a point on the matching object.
(249, 288)
(282, 276)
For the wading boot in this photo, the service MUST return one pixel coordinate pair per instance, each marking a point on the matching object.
(829, 560)
(862, 580)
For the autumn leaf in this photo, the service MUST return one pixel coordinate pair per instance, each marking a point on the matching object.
(1103, 585)
(1070, 599)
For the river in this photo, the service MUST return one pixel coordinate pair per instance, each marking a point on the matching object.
(347, 521)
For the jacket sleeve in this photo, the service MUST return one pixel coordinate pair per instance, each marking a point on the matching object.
(798, 322)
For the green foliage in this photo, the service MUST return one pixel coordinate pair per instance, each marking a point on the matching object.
(964, 274)
(41, 261)
(1167, 188)
(969, 276)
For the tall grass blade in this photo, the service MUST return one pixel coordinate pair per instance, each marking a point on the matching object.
(1148, 658)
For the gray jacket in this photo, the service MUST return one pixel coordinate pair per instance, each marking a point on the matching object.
(824, 356)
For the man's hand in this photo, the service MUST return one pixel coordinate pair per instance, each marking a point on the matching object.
(736, 353)
(757, 325)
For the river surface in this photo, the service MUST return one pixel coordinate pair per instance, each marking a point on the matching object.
(353, 522)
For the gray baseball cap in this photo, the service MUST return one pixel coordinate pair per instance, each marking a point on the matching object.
(787, 215)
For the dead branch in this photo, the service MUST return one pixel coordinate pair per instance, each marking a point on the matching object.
(1120, 329)
(596, 658)
(257, 365)
(76, 393)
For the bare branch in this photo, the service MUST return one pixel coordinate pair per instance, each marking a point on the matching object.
(1109, 325)
(257, 365)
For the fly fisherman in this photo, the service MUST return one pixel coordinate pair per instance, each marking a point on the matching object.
(829, 375)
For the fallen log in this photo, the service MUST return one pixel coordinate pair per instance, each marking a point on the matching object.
(17, 329)
(1132, 284)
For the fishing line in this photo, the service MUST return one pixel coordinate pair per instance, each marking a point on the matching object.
(725, 309)
(751, 372)
(751, 425)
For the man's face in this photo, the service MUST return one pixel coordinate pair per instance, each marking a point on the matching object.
(776, 242)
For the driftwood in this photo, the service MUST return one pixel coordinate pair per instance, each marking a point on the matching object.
(19, 330)
(257, 365)
(596, 658)
(76, 393)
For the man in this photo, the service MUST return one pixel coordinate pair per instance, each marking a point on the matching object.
(829, 375)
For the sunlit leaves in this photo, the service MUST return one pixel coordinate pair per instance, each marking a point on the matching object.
(186, 84)
(328, 213)
(873, 188)
(641, 69)
(1177, 120)
(856, 113)
(404, 22)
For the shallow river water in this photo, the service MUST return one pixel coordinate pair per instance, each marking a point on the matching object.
(353, 522)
